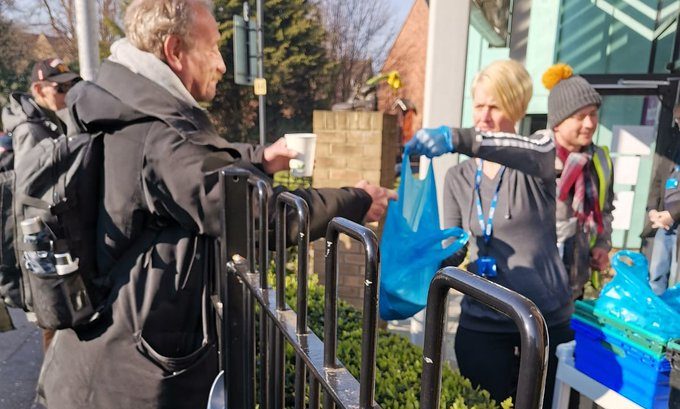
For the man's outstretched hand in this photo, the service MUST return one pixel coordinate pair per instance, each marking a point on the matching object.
(380, 197)
(277, 156)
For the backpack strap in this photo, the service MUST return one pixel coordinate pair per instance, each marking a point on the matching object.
(37, 203)
(35, 247)
(54, 209)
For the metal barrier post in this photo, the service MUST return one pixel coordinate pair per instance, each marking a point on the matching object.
(238, 285)
(525, 314)
(249, 303)
(235, 200)
(262, 193)
(282, 201)
(369, 336)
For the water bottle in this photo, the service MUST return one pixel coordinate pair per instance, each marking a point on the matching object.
(39, 257)
(60, 298)
(65, 264)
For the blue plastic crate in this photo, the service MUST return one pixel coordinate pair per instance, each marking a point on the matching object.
(649, 341)
(622, 366)
(673, 355)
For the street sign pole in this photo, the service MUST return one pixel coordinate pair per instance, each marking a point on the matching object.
(260, 70)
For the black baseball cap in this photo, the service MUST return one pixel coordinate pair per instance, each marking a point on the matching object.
(54, 70)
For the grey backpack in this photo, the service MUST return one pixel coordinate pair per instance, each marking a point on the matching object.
(58, 181)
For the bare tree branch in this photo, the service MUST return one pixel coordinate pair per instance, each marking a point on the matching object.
(57, 19)
(358, 33)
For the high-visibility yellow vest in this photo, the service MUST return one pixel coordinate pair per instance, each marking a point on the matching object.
(602, 163)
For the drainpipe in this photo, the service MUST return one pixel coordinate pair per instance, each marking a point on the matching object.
(446, 61)
(447, 39)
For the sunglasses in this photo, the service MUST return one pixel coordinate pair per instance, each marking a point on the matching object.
(64, 87)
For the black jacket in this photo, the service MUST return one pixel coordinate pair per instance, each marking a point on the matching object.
(153, 347)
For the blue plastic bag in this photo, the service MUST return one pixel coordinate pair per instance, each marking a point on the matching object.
(672, 297)
(411, 248)
(630, 298)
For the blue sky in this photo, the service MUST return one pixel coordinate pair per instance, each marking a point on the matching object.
(401, 9)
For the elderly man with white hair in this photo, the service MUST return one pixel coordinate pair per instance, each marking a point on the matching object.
(152, 345)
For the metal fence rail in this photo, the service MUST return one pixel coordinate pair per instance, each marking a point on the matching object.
(241, 285)
(525, 314)
(369, 331)
(249, 339)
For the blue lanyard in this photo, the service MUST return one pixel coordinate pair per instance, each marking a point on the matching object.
(487, 228)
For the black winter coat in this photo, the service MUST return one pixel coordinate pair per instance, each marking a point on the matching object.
(153, 346)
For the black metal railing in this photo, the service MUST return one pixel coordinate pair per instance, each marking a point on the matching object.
(525, 314)
(242, 288)
(369, 335)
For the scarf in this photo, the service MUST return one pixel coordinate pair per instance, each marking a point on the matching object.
(578, 178)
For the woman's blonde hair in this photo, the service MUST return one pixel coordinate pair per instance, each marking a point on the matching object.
(509, 84)
(149, 22)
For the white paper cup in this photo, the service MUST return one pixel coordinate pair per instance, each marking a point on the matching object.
(305, 144)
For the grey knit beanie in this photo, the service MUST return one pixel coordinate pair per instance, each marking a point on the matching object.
(569, 94)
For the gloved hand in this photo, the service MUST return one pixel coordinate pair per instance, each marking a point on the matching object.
(430, 142)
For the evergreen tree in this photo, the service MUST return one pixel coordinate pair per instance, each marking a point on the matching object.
(296, 68)
(14, 69)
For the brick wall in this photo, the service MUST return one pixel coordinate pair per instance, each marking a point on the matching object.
(352, 146)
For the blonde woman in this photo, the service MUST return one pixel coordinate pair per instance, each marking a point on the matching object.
(505, 198)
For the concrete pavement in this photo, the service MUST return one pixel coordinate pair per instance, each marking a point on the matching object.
(20, 359)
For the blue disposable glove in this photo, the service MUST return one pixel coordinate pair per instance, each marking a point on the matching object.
(430, 142)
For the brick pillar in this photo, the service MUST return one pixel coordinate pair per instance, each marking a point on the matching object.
(352, 146)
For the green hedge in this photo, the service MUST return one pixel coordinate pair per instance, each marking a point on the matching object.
(399, 363)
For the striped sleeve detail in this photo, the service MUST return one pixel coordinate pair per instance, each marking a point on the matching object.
(544, 143)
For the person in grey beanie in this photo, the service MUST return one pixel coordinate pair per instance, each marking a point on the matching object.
(584, 177)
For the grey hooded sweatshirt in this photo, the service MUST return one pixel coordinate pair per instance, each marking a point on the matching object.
(524, 237)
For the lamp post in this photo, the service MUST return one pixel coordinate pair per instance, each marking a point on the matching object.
(88, 38)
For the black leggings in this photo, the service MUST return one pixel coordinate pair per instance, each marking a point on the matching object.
(491, 360)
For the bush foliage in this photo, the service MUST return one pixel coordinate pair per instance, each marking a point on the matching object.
(399, 363)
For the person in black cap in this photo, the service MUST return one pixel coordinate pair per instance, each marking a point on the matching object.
(30, 118)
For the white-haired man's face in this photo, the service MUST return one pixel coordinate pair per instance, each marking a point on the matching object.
(198, 64)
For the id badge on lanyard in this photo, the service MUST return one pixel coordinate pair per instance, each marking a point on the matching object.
(486, 265)
(672, 182)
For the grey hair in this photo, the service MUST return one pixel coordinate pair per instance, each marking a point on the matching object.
(149, 22)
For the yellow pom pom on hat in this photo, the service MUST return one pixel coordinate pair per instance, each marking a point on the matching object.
(568, 93)
(555, 74)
